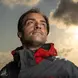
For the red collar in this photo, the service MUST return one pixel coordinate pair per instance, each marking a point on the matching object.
(41, 53)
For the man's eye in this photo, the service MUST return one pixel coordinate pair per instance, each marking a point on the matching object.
(29, 22)
(44, 24)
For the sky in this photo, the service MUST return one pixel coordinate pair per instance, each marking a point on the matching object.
(63, 19)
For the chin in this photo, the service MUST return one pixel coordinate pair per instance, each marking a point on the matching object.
(39, 41)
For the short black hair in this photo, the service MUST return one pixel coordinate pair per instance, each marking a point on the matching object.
(33, 10)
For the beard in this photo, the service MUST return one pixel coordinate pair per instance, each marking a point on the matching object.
(33, 40)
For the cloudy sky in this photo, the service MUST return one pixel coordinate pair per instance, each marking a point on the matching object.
(63, 18)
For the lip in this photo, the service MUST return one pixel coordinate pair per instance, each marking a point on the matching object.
(37, 32)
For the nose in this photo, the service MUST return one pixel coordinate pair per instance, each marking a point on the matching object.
(37, 26)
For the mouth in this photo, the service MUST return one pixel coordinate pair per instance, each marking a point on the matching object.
(37, 32)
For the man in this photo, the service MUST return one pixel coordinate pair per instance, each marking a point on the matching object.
(35, 58)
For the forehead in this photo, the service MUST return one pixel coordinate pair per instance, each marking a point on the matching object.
(34, 16)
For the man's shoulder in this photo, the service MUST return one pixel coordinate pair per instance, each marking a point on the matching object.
(4, 70)
(66, 64)
(8, 68)
(58, 60)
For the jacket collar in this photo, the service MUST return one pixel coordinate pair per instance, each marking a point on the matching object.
(22, 53)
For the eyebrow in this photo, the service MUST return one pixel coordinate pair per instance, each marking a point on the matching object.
(43, 21)
(30, 19)
(34, 20)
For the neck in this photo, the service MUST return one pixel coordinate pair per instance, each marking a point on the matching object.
(32, 46)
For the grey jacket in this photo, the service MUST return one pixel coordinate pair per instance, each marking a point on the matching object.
(24, 66)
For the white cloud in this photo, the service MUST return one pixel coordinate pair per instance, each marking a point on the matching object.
(75, 1)
(12, 3)
(59, 23)
(65, 15)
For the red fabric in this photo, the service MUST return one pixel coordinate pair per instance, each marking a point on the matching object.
(42, 53)
(13, 52)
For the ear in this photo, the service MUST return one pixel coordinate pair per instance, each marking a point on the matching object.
(19, 34)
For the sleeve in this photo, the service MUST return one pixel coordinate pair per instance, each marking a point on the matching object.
(71, 69)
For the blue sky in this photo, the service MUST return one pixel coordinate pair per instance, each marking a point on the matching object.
(61, 21)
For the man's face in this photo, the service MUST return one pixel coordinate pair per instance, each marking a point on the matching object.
(35, 29)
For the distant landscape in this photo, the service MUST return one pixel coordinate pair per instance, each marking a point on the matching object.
(6, 57)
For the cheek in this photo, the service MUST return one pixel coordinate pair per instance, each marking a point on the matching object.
(44, 31)
(28, 30)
